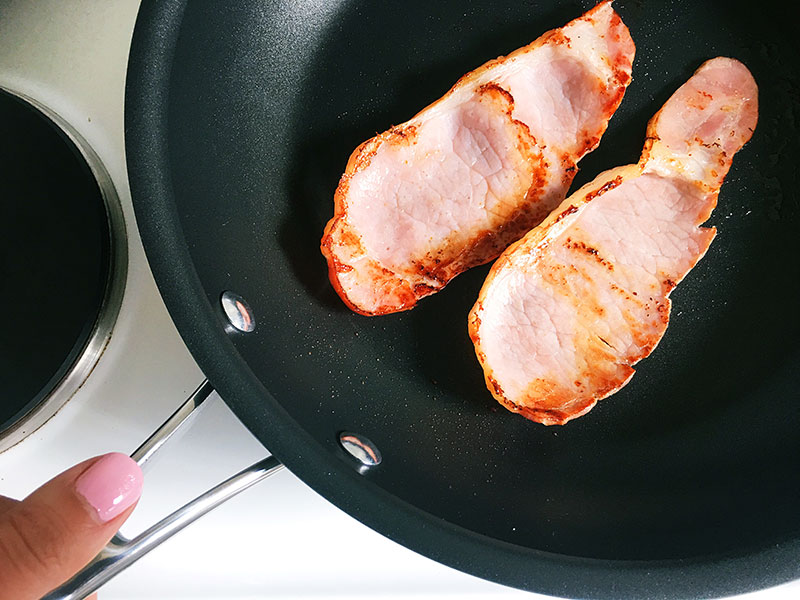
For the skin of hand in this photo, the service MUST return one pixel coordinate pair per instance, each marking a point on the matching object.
(50, 535)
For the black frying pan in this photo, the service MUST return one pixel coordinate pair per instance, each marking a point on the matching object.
(240, 118)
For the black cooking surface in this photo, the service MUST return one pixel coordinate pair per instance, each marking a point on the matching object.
(54, 256)
(650, 473)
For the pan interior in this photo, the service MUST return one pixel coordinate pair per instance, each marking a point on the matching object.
(696, 456)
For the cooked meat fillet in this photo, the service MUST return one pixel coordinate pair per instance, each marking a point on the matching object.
(566, 311)
(474, 171)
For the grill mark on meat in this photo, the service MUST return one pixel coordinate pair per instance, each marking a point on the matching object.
(581, 246)
(493, 88)
(406, 133)
(567, 212)
(603, 189)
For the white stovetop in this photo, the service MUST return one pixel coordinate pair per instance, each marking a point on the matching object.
(277, 540)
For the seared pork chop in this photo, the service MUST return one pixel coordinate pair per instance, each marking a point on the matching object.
(474, 171)
(566, 311)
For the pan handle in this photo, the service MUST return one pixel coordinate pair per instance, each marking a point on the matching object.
(120, 553)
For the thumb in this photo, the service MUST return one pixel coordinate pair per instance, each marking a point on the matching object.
(54, 532)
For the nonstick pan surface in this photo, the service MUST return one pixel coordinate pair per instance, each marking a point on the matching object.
(240, 117)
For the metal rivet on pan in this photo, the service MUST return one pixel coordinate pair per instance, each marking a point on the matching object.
(239, 313)
(361, 449)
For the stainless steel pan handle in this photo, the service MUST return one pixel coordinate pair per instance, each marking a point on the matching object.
(120, 553)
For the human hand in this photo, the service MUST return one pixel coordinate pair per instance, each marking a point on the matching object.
(50, 535)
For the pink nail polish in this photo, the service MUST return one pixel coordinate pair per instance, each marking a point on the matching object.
(111, 485)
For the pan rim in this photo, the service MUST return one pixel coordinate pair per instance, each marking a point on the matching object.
(155, 38)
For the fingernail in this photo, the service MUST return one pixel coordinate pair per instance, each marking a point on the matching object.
(111, 485)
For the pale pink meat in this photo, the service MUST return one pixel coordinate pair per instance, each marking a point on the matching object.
(474, 171)
(566, 311)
